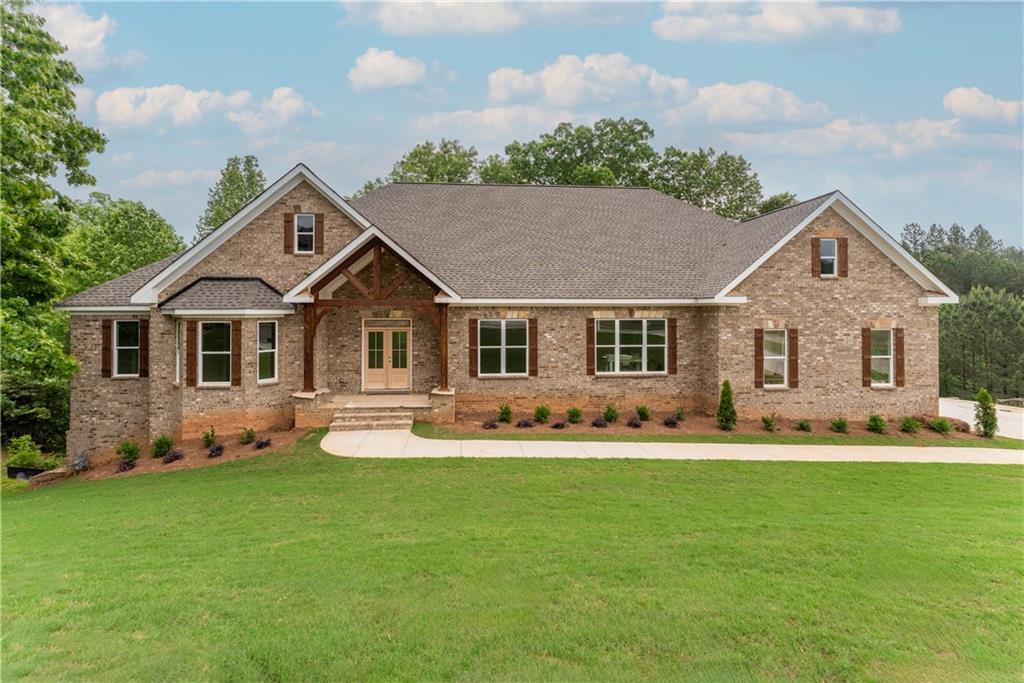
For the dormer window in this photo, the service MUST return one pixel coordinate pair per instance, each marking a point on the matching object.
(305, 233)
(828, 257)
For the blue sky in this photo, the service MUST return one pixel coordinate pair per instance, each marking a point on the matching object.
(914, 110)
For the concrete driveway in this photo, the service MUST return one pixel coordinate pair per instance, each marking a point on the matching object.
(1011, 420)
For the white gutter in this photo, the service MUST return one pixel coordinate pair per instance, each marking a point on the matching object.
(102, 310)
(716, 301)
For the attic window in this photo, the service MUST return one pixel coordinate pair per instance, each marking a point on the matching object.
(828, 258)
(305, 226)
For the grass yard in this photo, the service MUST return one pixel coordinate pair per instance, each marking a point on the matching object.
(302, 565)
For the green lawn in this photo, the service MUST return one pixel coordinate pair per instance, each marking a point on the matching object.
(303, 565)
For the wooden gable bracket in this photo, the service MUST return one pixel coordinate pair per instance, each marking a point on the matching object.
(376, 291)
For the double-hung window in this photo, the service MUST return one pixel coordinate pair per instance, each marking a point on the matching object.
(503, 347)
(266, 351)
(215, 354)
(881, 358)
(126, 348)
(630, 346)
(828, 258)
(305, 233)
(775, 365)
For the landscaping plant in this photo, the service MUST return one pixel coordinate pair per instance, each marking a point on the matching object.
(128, 451)
(161, 445)
(209, 437)
(986, 423)
(671, 421)
(22, 451)
(941, 425)
(804, 425)
(247, 436)
(634, 422)
(173, 455)
(610, 414)
(541, 414)
(215, 451)
(679, 414)
(840, 425)
(769, 422)
(525, 423)
(261, 444)
(80, 463)
(505, 413)
(726, 412)
(909, 425)
(599, 422)
(558, 425)
(490, 424)
(643, 412)
(877, 424)
(574, 415)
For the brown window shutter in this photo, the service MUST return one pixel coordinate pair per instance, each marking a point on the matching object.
(143, 348)
(758, 358)
(816, 256)
(473, 358)
(899, 357)
(191, 342)
(533, 347)
(793, 360)
(106, 348)
(289, 233)
(590, 346)
(865, 357)
(673, 365)
(236, 353)
(318, 234)
(843, 247)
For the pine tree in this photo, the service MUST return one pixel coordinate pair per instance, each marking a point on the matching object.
(986, 422)
(239, 182)
(726, 412)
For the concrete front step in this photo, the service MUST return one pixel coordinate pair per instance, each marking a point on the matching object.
(371, 415)
(353, 418)
(358, 425)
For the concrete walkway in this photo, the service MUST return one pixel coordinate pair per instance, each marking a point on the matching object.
(404, 444)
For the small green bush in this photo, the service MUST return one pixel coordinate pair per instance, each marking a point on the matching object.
(247, 436)
(643, 412)
(128, 451)
(574, 415)
(679, 414)
(941, 425)
(986, 422)
(804, 425)
(910, 425)
(840, 425)
(22, 451)
(726, 412)
(209, 437)
(541, 414)
(877, 424)
(505, 413)
(161, 446)
(769, 422)
(610, 413)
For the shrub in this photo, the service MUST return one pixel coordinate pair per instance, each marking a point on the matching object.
(505, 413)
(22, 451)
(558, 425)
(877, 424)
(490, 424)
(261, 444)
(80, 463)
(525, 423)
(125, 465)
(209, 437)
(172, 455)
(599, 422)
(215, 451)
(610, 413)
(643, 412)
(671, 421)
(726, 412)
(574, 415)
(128, 451)
(679, 414)
(161, 445)
(986, 423)
(247, 436)
(941, 425)
(840, 425)
(769, 422)
(804, 425)
(634, 422)
(909, 425)
(541, 414)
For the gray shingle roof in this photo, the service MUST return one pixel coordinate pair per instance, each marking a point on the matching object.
(529, 241)
(227, 293)
(118, 292)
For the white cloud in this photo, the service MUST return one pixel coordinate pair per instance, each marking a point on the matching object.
(283, 106)
(772, 22)
(594, 78)
(176, 178)
(376, 69)
(492, 122)
(750, 102)
(84, 37)
(975, 103)
(142, 106)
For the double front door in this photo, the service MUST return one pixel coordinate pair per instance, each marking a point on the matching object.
(386, 358)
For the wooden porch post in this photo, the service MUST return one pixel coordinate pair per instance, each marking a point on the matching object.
(442, 330)
(309, 333)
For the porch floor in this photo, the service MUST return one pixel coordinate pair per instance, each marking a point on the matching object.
(411, 401)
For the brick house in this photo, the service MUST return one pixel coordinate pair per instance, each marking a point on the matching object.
(466, 296)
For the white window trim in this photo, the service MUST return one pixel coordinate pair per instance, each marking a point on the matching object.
(200, 353)
(259, 351)
(503, 348)
(834, 258)
(295, 234)
(137, 347)
(177, 350)
(784, 357)
(891, 356)
(618, 345)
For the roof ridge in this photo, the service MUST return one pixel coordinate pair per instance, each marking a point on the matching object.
(790, 206)
(603, 187)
